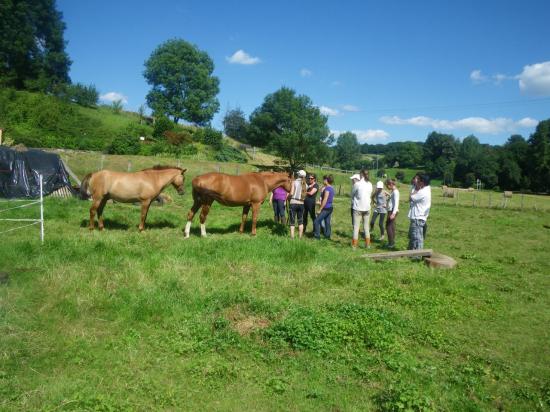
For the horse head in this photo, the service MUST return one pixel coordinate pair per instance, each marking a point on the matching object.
(179, 182)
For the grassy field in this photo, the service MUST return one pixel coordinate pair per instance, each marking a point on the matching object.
(120, 320)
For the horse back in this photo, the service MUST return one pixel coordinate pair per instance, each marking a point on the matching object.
(230, 190)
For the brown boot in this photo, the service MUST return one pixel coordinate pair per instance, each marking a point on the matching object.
(354, 243)
(367, 242)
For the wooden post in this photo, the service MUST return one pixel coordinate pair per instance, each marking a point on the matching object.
(456, 201)
(490, 193)
(101, 162)
(237, 170)
(129, 165)
(1, 136)
(474, 200)
(339, 189)
(522, 195)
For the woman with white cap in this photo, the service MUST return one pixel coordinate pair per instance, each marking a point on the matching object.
(380, 201)
(360, 206)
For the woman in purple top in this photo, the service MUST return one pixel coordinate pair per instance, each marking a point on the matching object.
(325, 212)
(277, 200)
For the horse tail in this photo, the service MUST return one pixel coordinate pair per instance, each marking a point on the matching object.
(84, 193)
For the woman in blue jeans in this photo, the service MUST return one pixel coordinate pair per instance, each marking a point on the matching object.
(325, 212)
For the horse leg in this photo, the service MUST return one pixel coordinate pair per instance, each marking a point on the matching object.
(255, 212)
(246, 209)
(204, 213)
(144, 209)
(196, 206)
(93, 209)
(100, 212)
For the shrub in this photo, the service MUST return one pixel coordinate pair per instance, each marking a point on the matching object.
(162, 124)
(125, 145)
(400, 175)
(78, 93)
(230, 154)
(189, 150)
(380, 173)
(178, 137)
(212, 137)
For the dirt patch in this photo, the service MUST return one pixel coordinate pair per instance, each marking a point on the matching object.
(244, 323)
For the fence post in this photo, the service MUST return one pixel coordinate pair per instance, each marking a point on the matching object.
(522, 201)
(490, 193)
(474, 200)
(101, 162)
(41, 212)
(237, 170)
(456, 201)
(339, 189)
(129, 165)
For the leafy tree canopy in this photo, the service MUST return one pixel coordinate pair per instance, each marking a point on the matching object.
(32, 48)
(348, 150)
(291, 126)
(539, 157)
(235, 125)
(183, 84)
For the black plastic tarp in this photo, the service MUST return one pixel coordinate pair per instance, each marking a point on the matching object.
(19, 173)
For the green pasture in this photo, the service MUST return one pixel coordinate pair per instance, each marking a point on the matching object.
(121, 320)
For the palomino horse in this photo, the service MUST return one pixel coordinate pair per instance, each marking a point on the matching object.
(248, 190)
(143, 186)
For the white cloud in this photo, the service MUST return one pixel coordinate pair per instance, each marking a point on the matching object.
(329, 111)
(242, 57)
(114, 96)
(477, 77)
(535, 79)
(474, 124)
(305, 72)
(350, 108)
(364, 136)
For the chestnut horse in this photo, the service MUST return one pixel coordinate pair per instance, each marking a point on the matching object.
(247, 190)
(143, 186)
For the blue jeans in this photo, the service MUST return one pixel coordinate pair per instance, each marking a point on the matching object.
(323, 217)
(416, 234)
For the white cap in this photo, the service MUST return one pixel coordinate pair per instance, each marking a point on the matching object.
(356, 176)
(302, 173)
(379, 185)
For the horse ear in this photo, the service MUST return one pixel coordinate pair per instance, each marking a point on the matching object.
(183, 171)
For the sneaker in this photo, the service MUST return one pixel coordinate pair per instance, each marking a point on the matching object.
(382, 238)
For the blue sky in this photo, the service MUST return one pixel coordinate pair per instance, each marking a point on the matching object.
(387, 70)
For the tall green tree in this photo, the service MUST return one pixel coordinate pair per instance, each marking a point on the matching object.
(183, 84)
(539, 157)
(440, 153)
(406, 154)
(235, 125)
(32, 48)
(348, 150)
(291, 126)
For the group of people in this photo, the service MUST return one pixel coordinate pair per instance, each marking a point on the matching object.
(384, 205)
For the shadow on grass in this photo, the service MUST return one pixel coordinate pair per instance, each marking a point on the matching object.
(276, 229)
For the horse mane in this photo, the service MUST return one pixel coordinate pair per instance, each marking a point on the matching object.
(162, 167)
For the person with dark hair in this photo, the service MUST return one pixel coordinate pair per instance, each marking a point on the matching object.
(420, 202)
(393, 209)
(277, 199)
(311, 196)
(325, 211)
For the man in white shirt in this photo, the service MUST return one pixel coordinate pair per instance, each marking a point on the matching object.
(421, 201)
(360, 206)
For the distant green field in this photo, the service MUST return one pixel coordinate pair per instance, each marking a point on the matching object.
(119, 320)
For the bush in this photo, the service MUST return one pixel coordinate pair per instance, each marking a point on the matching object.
(125, 145)
(178, 138)
(212, 137)
(230, 154)
(400, 175)
(188, 150)
(162, 125)
(87, 96)
(380, 173)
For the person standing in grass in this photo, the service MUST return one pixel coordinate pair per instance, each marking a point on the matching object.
(360, 206)
(393, 209)
(379, 198)
(311, 197)
(277, 199)
(325, 211)
(421, 201)
(297, 196)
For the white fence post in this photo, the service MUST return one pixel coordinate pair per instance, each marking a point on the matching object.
(41, 212)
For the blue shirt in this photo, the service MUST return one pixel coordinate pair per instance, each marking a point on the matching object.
(330, 191)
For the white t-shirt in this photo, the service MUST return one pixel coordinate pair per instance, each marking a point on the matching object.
(421, 201)
(393, 204)
(361, 195)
